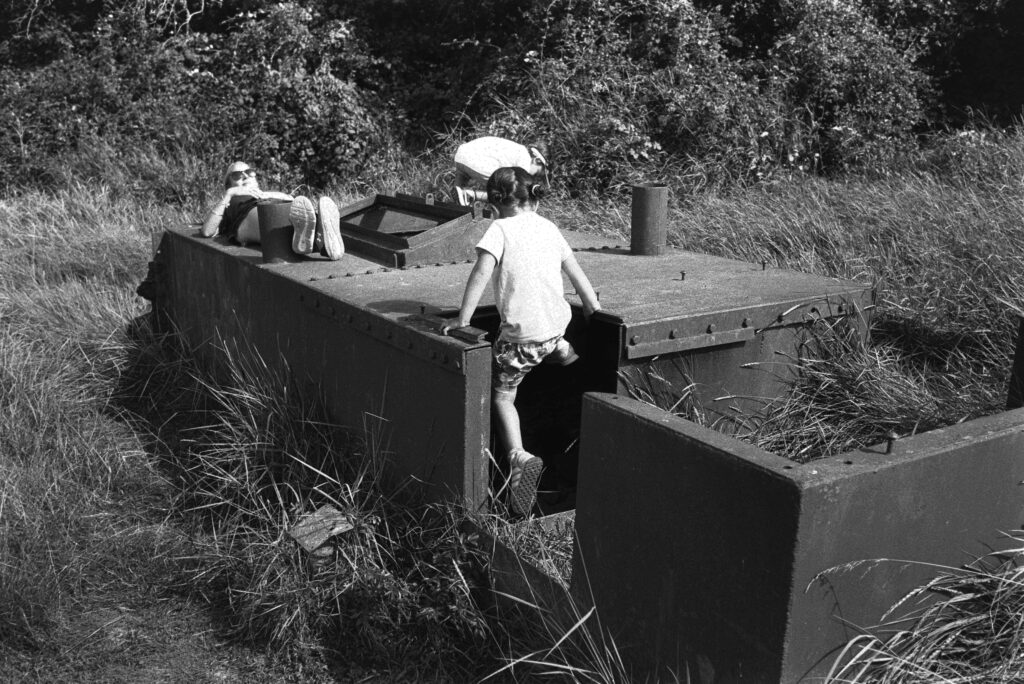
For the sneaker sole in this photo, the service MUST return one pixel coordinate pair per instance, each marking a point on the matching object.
(303, 218)
(330, 219)
(524, 494)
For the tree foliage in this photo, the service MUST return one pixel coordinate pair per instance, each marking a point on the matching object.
(313, 91)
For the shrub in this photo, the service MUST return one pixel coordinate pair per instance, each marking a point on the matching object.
(435, 56)
(851, 97)
(295, 108)
(622, 89)
(279, 88)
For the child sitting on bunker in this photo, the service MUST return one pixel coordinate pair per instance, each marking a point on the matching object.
(234, 216)
(526, 255)
(478, 159)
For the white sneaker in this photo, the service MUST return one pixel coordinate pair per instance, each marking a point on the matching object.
(303, 218)
(330, 226)
(524, 476)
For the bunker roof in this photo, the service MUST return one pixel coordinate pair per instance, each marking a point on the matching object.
(657, 299)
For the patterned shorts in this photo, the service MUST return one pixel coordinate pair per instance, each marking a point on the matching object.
(513, 360)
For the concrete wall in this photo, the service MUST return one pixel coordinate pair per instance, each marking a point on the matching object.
(374, 372)
(701, 551)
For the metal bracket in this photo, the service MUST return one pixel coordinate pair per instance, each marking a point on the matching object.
(468, 334)
(667, 346)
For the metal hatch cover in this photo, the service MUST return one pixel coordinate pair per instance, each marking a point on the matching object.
(682, 300)
(403, 231)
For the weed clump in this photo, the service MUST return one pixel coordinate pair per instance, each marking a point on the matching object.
(965, 625)
(252, 456)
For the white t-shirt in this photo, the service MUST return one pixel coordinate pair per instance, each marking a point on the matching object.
(481, 157)
(527, 280)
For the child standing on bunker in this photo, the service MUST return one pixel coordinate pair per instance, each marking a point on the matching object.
(526, 255)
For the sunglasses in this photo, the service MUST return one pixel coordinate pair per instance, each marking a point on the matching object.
(239, 175)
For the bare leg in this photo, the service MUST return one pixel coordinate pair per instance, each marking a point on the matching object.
(524, 468)
(508, 417)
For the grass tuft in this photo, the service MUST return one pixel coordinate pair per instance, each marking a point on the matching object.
(968, 627)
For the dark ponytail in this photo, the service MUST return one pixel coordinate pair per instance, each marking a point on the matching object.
(511, 185)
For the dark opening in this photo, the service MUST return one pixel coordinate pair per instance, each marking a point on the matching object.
(549, 402)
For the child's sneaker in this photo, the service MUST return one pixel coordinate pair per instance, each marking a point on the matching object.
(524, 476)
(303, 218)
(330, 229)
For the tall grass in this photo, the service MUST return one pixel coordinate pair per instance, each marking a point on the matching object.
(129, 469)
(127, 465)
(66, 460)
(940, 243)
(965, 625)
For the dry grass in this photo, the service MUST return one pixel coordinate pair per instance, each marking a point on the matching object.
(943, 250)
(125, 465)
(68, 462)
(965, 625)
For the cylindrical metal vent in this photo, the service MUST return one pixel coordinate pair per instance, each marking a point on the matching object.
(276, 231)
(648, 226)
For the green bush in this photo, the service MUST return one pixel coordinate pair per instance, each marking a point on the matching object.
(289, 93)
(316, 93)
(278, 88)
(851, 97)
(622, 90)
(434, 56)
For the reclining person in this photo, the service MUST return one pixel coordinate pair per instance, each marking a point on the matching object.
(316, 229)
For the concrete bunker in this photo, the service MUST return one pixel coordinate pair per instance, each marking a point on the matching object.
(365, 331)
(655, 500)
